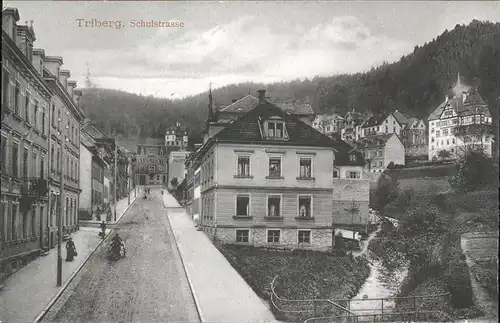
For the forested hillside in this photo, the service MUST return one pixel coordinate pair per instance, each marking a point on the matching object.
(415, 84)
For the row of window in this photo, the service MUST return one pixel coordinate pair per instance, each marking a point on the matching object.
(72, 127)
(274, 205)
(453, 142)
(15, 226)
(461, 120)
(376, 164)
(71, 166)
(273, 236)
(275, 129)
(70, 214)
(33, 168)
(28, 109)
(348, 174)
(275, 167)
(372, 130)
(31, 110)
(372, 154)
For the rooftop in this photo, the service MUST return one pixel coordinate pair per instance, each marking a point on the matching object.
(249, 102)
(376, 141)
(247, 129)
(473, 104)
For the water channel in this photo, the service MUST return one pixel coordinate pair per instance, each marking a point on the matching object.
(382, 283)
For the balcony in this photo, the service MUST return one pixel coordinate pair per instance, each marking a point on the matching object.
(34, 187)
(11, 184)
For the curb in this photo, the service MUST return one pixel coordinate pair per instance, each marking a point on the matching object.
(124, 211)
(191, 287)
(73, 275)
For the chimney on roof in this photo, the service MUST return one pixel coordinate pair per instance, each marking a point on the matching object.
(262, 96)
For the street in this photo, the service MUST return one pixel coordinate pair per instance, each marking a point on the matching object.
(149, 285)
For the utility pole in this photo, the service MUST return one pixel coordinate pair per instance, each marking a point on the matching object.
(116, 184)
(128, 183)
(61, 211)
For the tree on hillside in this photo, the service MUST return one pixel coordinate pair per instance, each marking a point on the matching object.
(416, 84)
(475, 171)
(489, 74)
(387, 191)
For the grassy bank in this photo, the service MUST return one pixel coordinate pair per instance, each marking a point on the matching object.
(303, 274)
(429, 238)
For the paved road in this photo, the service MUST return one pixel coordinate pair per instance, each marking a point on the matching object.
(149, 285)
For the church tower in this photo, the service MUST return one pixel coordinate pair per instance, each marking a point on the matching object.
(210, 116)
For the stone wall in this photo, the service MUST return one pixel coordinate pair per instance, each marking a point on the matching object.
(321, 239)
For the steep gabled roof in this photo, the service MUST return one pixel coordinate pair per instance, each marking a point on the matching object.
(242, 105)
(249, 102)
(296, 108)
(343, 151)
(400, 117)
(411, 122)
(436, 114)
(473, 104)
(374, 121)
(247, 129)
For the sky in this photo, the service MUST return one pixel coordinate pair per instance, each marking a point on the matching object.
(232, 42)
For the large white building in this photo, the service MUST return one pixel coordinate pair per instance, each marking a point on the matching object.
(176, 137)
(394, 122)
(460, 123)
(328, 124)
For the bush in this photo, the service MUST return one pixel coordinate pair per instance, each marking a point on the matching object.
(387, 191)
(459, 284)
(457, 274)
(444, 154)
(391, 165)
(476, 170)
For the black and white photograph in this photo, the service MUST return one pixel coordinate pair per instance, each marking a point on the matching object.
(249, 161)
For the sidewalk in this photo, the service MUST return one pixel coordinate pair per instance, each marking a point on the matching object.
(121, 206)
(28, 291)
(220, 293)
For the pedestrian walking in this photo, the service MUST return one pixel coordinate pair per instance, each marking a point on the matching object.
(70, 250)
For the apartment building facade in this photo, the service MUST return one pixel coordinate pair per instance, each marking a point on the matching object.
(394, 122)
(266, 179)
(94, 165)
(458, 124)
(152, 162)
(65, 119)
(380, 151)
(328, 124)
(176, 137)
(24, 141)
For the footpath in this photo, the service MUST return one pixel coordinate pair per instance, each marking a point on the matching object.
(32, 289)
(220, 293)
(121, 206)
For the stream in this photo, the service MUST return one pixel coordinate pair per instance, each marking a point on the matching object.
(381, 283)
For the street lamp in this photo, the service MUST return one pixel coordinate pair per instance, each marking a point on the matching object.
(115, 184)
(61, 208)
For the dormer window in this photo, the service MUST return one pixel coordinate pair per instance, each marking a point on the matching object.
(352, 157)
(275, 129)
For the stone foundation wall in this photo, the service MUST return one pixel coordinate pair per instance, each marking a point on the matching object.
(321, 239)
